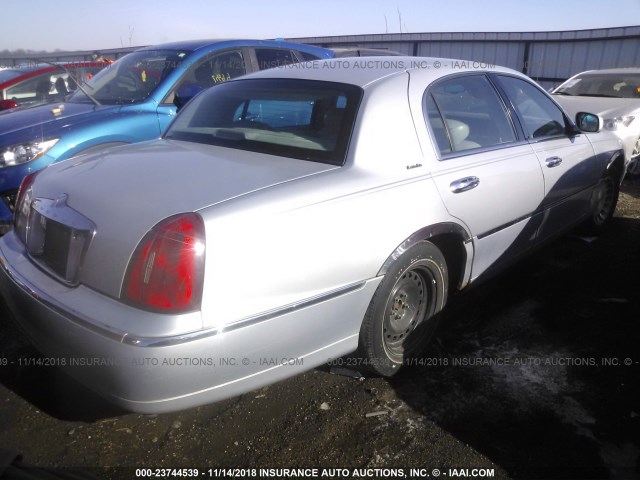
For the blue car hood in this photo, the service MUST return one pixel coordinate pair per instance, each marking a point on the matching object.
(45, 120)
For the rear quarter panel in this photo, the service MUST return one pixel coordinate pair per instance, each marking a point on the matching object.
(304, 238)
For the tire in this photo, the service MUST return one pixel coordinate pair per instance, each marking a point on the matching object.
(603, 203)
(400, 318)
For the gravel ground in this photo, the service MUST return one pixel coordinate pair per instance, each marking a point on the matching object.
(526, 378)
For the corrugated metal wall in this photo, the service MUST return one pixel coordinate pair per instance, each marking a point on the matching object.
(549, 57)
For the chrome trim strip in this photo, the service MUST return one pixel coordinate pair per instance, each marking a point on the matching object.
(443, 157)
(539, 211)
(245, 322)
(145, 342)
(507, 225)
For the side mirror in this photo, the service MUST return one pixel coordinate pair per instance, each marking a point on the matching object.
(7, 104)
(588, 122)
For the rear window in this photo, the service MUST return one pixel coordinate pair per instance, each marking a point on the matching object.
(303, 119)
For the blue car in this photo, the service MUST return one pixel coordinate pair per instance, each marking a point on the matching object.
(132, 100)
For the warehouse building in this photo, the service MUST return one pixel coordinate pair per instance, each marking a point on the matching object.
(548, 57)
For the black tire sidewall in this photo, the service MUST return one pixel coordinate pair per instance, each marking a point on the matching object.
(372, 347)
(594, 225)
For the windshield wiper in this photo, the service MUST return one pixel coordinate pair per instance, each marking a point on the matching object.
(89, 96)
(564, 92)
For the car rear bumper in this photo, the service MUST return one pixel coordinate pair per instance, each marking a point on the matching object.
(179, 371)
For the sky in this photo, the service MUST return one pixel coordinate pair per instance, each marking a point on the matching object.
(101, 24)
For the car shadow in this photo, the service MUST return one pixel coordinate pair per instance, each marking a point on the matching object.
(46, 387)
(538, 369)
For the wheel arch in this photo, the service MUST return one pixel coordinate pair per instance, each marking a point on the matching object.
(452, 240)
(616, 166)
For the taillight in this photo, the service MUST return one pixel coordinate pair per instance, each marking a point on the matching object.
(166, 272)
(23, 206)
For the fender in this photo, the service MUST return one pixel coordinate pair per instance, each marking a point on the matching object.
(616, 164)
(432, 231)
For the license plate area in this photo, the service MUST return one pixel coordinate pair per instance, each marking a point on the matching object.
(58, 238)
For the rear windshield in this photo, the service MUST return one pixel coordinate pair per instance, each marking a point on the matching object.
(303, 119)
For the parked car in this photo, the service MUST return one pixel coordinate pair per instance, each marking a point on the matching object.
(38, 83)
(293, 216)
(614, 95)
(132, 100)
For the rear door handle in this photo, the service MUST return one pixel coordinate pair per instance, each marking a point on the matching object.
(553, 161)
(464, 184)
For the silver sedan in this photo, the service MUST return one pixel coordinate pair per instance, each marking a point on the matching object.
(294, 216)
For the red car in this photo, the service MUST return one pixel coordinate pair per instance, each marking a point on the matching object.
(37, 83)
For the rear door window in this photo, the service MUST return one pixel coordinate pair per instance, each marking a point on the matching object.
(466, 113)
(218, 68)
(274, 57)
(307, 56)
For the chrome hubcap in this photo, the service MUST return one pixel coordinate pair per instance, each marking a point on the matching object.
(406, 309)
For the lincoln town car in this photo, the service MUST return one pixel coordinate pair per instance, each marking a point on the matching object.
(294, 216)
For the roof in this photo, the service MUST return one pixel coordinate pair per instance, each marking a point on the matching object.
(364, 52)
(192, 45)
(363, 71)
(542, 36)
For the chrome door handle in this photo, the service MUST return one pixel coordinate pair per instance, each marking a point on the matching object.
(464, 184)
(553, 161)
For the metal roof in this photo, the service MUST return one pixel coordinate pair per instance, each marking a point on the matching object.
(590, 34)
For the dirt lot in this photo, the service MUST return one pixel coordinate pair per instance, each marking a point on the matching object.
(531, 375)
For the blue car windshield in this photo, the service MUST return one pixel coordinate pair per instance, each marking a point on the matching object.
(132, 79)
(302, 119)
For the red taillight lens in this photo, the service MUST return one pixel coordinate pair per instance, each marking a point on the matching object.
(166, 272)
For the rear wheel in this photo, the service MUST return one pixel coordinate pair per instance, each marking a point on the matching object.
(400, 317)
